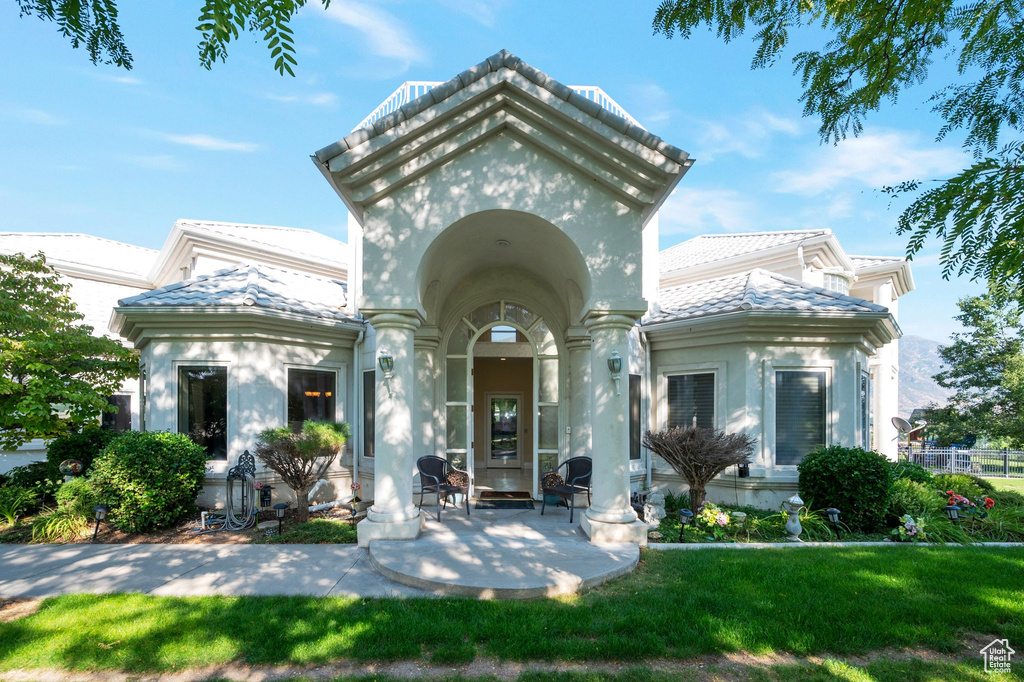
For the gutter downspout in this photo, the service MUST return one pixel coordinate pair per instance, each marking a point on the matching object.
(647, 397)
(357, 421)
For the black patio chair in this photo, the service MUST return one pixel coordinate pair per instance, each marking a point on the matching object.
(434, 472)
(576, 481)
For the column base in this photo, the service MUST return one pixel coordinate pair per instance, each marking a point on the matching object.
(601, 531)
(367, 530)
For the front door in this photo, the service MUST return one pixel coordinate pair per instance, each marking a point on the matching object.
(504, 436)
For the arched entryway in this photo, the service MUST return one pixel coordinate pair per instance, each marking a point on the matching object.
(503, 396)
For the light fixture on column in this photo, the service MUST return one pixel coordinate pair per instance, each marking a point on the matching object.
(387, 365)
(615, 367)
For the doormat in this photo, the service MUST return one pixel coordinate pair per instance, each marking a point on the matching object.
(505, 495)
(504, 504)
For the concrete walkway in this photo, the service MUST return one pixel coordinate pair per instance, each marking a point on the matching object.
(193, 570)
(507, 554)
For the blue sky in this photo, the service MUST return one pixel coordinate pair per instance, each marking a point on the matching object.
(123, 154)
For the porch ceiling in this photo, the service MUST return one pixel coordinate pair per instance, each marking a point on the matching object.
(502, 95)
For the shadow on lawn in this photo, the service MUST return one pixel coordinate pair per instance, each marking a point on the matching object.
(676, 605)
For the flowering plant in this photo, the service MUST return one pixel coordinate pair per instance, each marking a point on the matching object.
(258, 485)
(712, 520)
(977, 509)
(909, 530)
(355, 491)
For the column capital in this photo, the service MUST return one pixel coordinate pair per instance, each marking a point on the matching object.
(394, 319)
(612, 319)
(427, 338)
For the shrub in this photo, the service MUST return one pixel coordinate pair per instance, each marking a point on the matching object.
(14, 500)
(961, 484)
(983, 483)
(38, 478)
(913, 498)
(911, 471)
(698, 455)
(1007, 498)
(150, 480)
(301, 459)
(84, 446)
(855, 481)
(77, 497)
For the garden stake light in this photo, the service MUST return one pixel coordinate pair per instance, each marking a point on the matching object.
(953, 512)
(685, 516)
(279, 508)
(833, 518)
(101, 513)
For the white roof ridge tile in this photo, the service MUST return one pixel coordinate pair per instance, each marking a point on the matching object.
(502, 59)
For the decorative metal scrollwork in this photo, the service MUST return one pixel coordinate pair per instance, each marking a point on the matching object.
(246, 466)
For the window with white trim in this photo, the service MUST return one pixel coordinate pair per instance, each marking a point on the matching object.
(369, 410)
(634, 415)
(800, 417)
(311, 395)
(203, 408)
(865, 410)
(691, 400)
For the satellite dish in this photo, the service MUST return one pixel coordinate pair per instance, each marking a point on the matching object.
(906, 428)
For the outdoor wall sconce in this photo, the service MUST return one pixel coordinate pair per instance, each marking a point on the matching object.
(387, 365)
(101, 511)
(833, 517)
(279, 508)
(685, 516)
(615, 367)
(953, 512)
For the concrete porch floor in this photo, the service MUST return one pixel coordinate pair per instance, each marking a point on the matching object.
(501, 554)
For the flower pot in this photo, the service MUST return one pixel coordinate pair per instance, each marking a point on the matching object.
(361, 505)
(551, 498)
(458, 499)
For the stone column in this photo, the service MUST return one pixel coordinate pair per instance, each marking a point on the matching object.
(610, 517)
(393, 515)
(426, 342)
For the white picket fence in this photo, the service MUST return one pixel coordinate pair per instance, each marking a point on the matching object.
(977, 461)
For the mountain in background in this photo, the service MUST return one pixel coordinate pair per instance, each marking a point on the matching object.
(919, 361)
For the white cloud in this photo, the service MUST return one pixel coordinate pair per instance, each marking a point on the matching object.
(123, 80)
(748, 135)
(653, 104)
(320, 99)
(157, 162)
(873, 160)
(384, 35)
(484, 12)
(209, 142)
(692, 210)
(30, 115)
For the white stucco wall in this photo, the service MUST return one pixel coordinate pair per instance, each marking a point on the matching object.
(257, 398)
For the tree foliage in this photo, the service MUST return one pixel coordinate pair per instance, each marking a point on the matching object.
(698, 455)
(55, 376)
(985, 366)
(879, 49)
(94, 25)
(301, 459)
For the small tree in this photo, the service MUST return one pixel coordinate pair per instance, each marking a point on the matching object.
(699, 454)
(55, 375)
(301, 459)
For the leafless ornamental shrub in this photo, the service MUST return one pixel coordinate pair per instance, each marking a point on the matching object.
(699, 454)
(301, 459)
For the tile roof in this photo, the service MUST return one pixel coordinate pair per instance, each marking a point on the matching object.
(252, 285)
(708, 248)
(292, 240)
(861, 262)
(757, 290)
(496, 62)
(82, 250)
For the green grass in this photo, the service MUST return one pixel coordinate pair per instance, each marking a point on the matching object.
(315, 532)
(676, 605)
(1007, 483)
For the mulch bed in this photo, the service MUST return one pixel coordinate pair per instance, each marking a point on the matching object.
(183, 534)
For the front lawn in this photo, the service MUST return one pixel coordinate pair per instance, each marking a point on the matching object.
(676, 605)
(1016, 484)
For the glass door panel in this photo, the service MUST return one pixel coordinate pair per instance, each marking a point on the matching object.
(504, 446)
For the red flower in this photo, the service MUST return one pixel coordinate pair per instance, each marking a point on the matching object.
(950, 493)
(989, 503)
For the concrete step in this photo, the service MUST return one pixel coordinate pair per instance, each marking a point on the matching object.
(500, 565)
